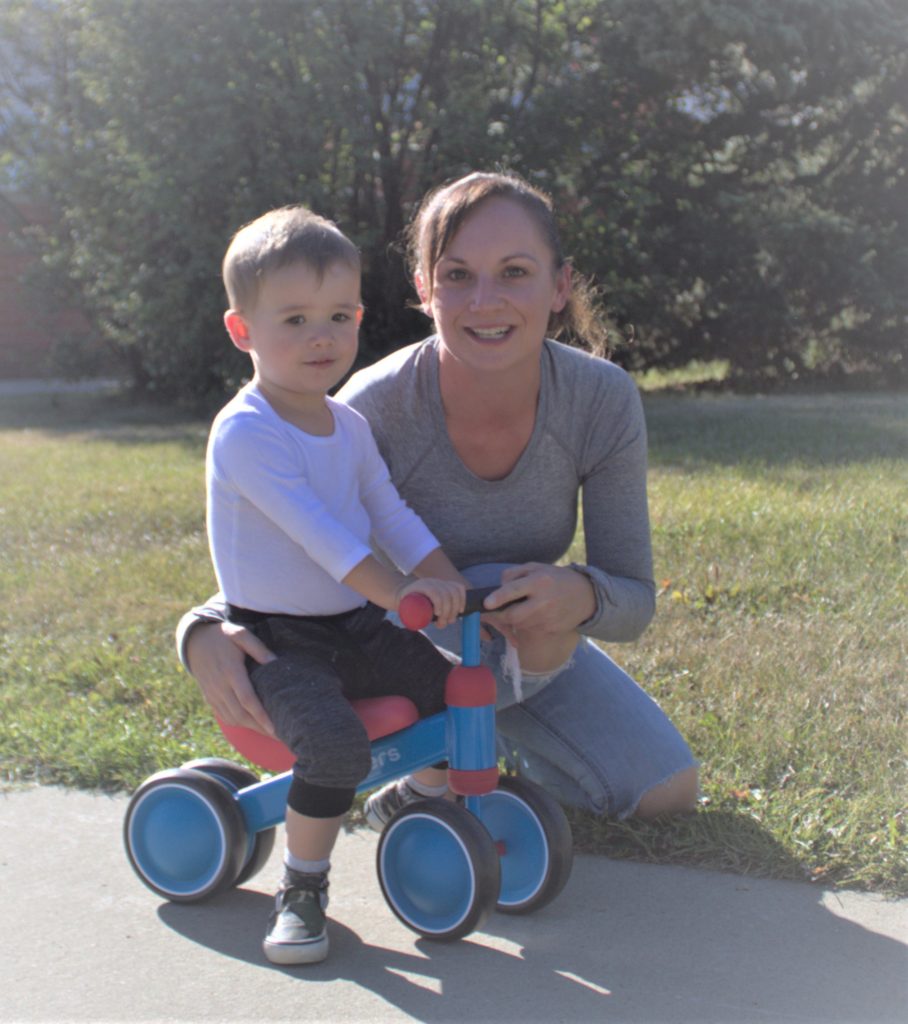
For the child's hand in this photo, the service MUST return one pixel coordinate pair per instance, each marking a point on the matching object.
(447, 596)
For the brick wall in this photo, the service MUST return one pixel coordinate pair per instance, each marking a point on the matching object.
(28, 324)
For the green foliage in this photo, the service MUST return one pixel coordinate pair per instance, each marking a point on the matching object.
(730, 172)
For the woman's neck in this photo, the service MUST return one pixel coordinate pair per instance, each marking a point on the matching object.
(489, 416)
(486, 395)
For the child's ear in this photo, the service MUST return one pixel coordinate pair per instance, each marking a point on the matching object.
(238, 330)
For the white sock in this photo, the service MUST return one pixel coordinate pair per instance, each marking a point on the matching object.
(306, 867)
(423, 789)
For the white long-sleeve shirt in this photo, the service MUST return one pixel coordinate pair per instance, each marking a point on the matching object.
(290, 514)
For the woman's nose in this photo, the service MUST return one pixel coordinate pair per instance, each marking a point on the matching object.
(485, 293)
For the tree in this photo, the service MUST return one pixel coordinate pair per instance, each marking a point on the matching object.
(730, 172)
(762, 181)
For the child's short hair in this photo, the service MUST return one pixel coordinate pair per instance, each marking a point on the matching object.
(291, 234)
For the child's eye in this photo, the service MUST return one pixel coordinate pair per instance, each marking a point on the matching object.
(341, 318)
(296, 319)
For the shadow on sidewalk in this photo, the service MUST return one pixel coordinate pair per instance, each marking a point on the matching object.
(624, 942)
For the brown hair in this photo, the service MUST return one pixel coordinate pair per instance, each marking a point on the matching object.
(291, 234)
(444, 210)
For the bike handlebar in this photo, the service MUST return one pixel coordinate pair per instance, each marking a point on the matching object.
(416, 611)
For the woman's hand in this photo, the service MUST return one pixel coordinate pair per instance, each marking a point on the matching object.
(543, 626)
(216, 653)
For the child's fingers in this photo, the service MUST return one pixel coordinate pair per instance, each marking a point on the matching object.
(447, 611)
(448, 599)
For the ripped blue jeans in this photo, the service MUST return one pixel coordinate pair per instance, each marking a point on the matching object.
(586, 733)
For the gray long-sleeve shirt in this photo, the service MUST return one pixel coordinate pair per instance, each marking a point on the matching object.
(589, 440)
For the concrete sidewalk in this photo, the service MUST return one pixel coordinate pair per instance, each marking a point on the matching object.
(82, 940)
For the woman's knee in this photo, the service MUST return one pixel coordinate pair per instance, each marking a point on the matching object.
(547, 655)
(677, 795)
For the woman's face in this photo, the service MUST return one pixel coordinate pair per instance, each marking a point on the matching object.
(494, 288)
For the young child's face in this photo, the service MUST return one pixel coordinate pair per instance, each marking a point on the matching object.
(302, 332)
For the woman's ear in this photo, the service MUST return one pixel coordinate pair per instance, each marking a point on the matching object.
(425, 298)
(238, 330)
(562, 287)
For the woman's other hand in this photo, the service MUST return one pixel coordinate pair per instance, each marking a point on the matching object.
(216, 653)
(543, 626)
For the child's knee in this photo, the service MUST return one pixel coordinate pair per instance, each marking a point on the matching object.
(341, 764)
(319, 801)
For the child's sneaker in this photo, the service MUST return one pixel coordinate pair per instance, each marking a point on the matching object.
(296, 928)
(384, 803)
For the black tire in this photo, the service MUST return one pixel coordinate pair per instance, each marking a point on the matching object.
(238, 777)
(438, 869)
(262, 845)
(185, 835)
(534, 842)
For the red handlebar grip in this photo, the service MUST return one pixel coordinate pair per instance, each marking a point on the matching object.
(416, 611)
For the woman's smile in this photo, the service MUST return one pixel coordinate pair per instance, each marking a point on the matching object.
(490, 333)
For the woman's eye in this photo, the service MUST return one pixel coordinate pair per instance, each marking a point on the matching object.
(515, 272)
(456, 274)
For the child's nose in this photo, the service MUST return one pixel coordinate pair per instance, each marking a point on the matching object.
(322, 334)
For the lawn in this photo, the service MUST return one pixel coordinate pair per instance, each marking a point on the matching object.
(779, 647)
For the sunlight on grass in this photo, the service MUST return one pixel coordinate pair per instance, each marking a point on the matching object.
(695, 372)
(780, 532)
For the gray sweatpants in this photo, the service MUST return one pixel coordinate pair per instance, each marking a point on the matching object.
(324, 662)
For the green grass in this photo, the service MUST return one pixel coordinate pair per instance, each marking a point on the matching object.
(779, 646)
(696, 372)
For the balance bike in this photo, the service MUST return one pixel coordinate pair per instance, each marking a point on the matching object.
(443, 866)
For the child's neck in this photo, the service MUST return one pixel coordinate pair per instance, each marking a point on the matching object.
(307, 412)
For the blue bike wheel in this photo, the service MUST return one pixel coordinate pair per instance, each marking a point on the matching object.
(185, 835)
(534, 843)
(438, 869)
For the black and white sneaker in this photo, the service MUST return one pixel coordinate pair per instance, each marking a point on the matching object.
(384, 803)
(297, 932)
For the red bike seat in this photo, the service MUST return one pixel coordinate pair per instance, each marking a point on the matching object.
(380, 715)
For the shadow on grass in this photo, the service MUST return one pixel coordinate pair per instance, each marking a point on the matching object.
(827, 430)
(685, 431)
(717, 840)
(114, 417)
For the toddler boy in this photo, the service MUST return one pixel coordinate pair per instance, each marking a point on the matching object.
(296, 490)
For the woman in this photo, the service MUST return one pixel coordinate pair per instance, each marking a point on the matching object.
(491, 431)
